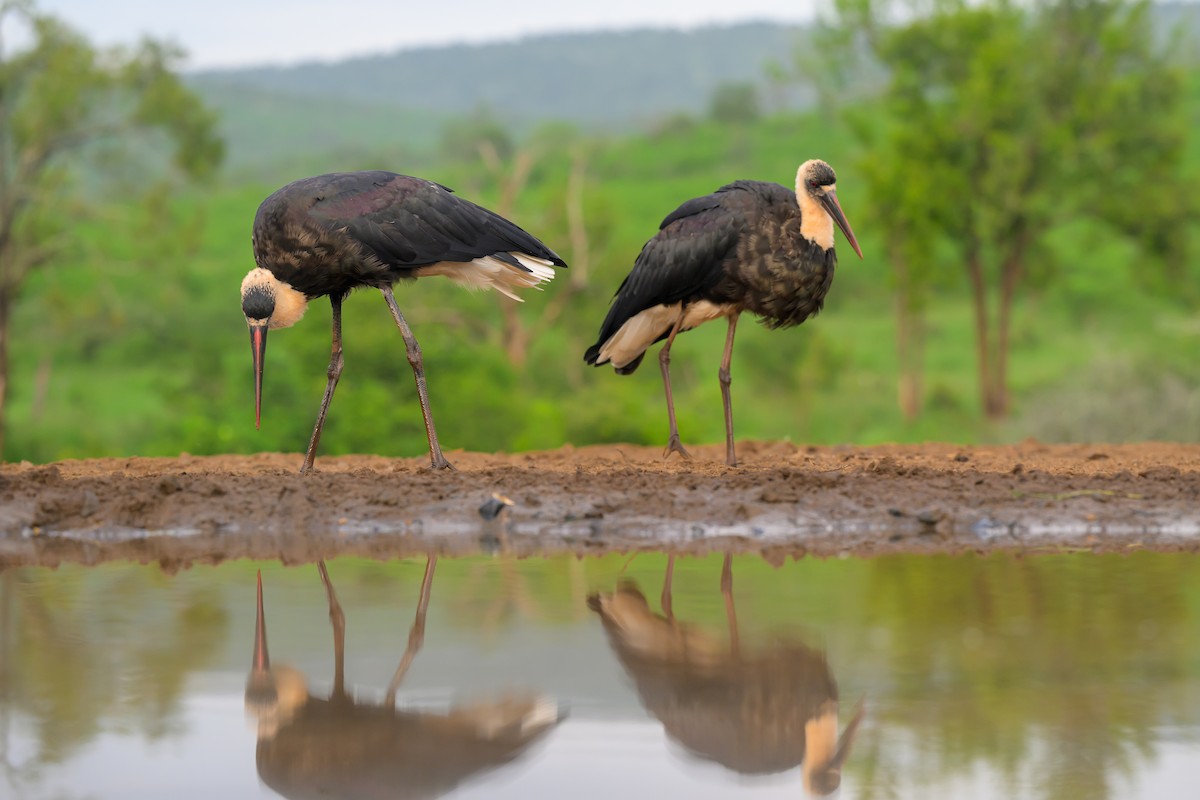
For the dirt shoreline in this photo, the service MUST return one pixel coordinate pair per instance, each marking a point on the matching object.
(783, 500)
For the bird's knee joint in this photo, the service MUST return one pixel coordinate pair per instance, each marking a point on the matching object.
(724, 375)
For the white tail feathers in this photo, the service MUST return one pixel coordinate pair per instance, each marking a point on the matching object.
(638, 333)
(517, 714)
(641, 330)
(490, 272)
(542, 714)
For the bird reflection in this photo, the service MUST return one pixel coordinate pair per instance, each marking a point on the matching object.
(752, 711)
(346, 748)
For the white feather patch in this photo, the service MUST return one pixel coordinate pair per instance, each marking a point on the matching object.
(542, 713)
(703, 311)
(492, 273)
(638, 333)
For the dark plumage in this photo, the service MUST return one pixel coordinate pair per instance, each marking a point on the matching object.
(327, 235)
(333, 233)
(749, 246)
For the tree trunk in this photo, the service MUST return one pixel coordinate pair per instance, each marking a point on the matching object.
(1010, 277)
(910, 341)
(5, 308)
(983, 337)
(514, 334)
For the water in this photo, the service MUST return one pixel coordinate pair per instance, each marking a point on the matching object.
(1051, 677)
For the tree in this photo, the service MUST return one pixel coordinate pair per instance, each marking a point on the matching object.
(1012, 117)
(735, 104)
(67, 109)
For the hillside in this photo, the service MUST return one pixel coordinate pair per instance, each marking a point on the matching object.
(318, 115)
(609, 81)
(609, 78)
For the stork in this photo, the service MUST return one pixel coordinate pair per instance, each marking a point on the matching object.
(327, 235)
(754, 710)
(749, 246)
(345, 746)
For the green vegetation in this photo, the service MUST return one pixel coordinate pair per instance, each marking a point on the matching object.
(1055, 112)
(136, 343)
(64, 105)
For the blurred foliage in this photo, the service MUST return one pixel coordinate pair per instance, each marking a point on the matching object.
(735, 104)
(1003, 120)
(72, 116)
(135, 344)
(1059, 675)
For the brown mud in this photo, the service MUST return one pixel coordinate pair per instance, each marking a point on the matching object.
(783, 500)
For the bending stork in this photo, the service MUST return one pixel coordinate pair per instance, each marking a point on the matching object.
(323, 236)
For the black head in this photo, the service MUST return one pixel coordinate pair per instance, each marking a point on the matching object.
(258, 303)
(825, 782)
(816, 175)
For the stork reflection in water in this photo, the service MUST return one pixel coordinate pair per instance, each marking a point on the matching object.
(754, 711)
(342, 747)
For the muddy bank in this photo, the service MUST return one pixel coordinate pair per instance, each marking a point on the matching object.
(783, 500)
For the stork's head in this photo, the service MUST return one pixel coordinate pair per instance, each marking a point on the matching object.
(826, 752)
(267, 303)
(273, 694)
(816, 182)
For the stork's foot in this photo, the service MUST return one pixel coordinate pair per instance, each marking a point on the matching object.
(675, 446)
(307, 468)
(439, 462)
(731, 459)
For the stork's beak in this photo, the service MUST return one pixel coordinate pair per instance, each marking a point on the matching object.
(261, 660)
(830, 202)
(258, 344)
(846, 740)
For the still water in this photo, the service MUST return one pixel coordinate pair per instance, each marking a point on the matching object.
(1049, 677)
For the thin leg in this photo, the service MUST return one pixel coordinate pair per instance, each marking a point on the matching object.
(335, 372)
(730, 612)
(664, 362)
(337, 618)
(665, 600)
(726, 380)
(416, 634)
(437, 460)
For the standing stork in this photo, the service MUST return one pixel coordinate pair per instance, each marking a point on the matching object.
(755, 710)
(326, 235)
(749, 246)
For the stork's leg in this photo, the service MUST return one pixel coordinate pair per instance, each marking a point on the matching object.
(664, 362)
(335, 372)
(337, 619)
(726, 380)
(437, 460)
(730, 612)
(416, 634)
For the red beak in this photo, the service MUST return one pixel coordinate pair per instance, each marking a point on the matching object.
(830, 201)
(261, 660)
(258, 344)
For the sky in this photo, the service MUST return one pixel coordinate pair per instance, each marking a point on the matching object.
(226, 33)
